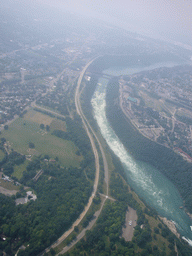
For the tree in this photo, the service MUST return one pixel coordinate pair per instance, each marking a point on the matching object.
(47, 157)
(76, 229)
(3, 140)
(156, 230)
(42, 126)
(31, 145)
(6, 127)
(47, 128)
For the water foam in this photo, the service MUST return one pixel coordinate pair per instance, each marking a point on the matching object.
(142, 179)
(189, 241)
(145, 181)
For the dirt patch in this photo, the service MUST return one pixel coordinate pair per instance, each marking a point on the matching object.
(130, 223)
(8, 192)
(7, 188)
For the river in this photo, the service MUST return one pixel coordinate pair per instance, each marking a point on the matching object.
(149, 183)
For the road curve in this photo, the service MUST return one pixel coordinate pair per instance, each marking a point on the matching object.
(87, 125)
(91, 134)
(88, 128)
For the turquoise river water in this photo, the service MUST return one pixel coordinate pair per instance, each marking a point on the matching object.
(148, 182)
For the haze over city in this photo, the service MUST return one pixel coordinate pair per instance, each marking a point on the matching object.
(165, 19)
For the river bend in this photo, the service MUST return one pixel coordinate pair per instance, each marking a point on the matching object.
(149, 183)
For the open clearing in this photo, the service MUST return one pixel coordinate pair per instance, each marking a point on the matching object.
(38, 117)
(57, 124)
(151, 102)
(7, 192)
(7, 188)
(2, 155)
(184, 113)
(19, 169)
(130, 223)
(25, 130)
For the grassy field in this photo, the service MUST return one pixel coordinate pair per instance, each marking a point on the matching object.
(156, 104)
(8, 185)
(1, 155)
(25, 130)
(184, 112)
(19, 169)
(169, 106)
(57, 124)
(152, 102)
(38, 117)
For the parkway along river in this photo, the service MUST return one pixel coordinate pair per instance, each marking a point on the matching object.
(148, 182)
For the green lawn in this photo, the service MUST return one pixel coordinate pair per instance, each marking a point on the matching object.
(1, 155)
(23, 131)
(38, 117)
(8, 185)
(19, 169)
(57, 124)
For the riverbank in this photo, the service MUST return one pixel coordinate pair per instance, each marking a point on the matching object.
(170, 224)
(151, 169)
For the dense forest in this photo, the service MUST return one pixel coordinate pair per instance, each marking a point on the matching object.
(105, 239)
(164, 159)
(61, 196)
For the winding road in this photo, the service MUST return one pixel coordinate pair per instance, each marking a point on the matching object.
(92, 136)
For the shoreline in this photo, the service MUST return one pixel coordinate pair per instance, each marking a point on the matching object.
(189, 214)
(170, 224)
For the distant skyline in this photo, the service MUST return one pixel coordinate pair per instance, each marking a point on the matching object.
(165, 19)
(171, 19)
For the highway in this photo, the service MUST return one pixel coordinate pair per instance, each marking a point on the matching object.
(92, 136)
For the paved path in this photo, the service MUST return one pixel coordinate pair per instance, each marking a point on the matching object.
(88, 128)
(82, 234)
(108, 197)
(78, 107)
(91, 134)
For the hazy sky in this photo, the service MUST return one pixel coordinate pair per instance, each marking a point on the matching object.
(169, 18)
